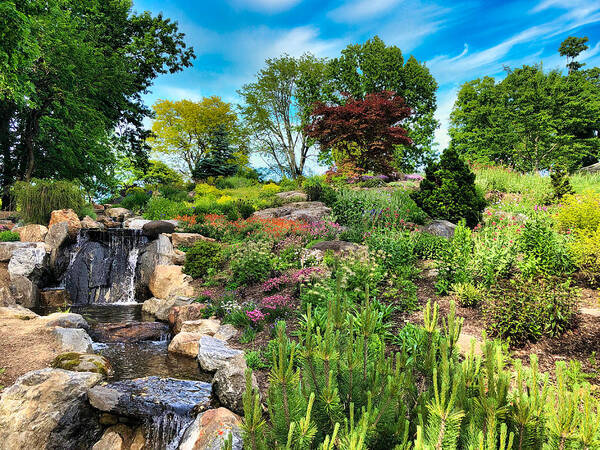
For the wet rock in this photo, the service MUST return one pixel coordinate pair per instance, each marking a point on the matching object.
(108, 222)
(66, 320)
(211, 430)
(31, 263)
(154, 228)
(118, 214)
(91, 224)
(306, 211)
(54, 297)
(185, 313)
(130, 331)
(160, 308)
(295, 196)
(185, 344)
(83, 362)
(226, 332)
(117, 437)
(215, 353)
(169, 282)
(157, 252)
(73, 340)
(8, 248)
(229, 383)
(70, 217)
(32, 233)
(187, 239)
(48, 409)
(441, 228)
(150, 397)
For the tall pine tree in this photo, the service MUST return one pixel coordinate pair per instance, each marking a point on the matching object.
(218, 162)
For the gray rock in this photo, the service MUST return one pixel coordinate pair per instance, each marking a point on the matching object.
(8, 248)
(73, 340)
(229, 383)
(31, 263)
(24, 292)
(441, 228)
(130, 331)
(58, 234)
(154, 228)
(91, 224)
(136, 223)
(48, 409)
(159, 307)
(66, 320)
(157, 252)
(297, 196)
(83, 362)
(215, 353)
(226, 332)
(118, 214)
(306, 211)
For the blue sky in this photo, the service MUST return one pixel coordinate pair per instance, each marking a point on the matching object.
(458, 40)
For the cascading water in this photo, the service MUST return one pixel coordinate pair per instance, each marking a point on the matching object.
(102, 266)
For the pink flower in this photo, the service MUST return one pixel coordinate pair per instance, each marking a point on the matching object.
(255, 315)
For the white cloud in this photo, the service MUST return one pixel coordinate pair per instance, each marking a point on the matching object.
(267, 6)
(361, 10)
(446, 101)
(178, 93)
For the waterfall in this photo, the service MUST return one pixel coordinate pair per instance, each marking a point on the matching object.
(166, 430)
(102, 266)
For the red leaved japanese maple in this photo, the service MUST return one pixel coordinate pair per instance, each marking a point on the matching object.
(364, 131)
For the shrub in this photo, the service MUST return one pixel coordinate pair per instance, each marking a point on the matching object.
(87, 210)
(204, 189)
(202, 256)
(448, 191)
(173, 192)
(580, 212)
(585, 250)
(234, 182)
(318, 191)
(398, 248)
(429, 246)
(244, 208)
(136, 199)
(160, 208)
(467, 294)
(454, 262)
(287, 184)
(9, 236)
(522, 310)
(269, 189)
(251, 262)
(561, 185)
(38, 198)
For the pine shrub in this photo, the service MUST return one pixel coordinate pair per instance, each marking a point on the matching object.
(204, 255)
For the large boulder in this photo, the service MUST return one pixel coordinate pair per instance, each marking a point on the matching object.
(31, 263)
(73, 340)
(215, 353)
(185, 313)
(32, 233)
(8, 248)
(169, 281)
(83, 362)
(69, 216)
(211, 429)
(55, 297)
(91, 224)
(118, 214)
(160, 307)
(187, 239)
(154, 228)
(305, 211)
(229, 384)
(135, 223)
(186, 342)
(24, 291)
(292, 196)
(48, 409)
(17, 312)
(226, 332)
(66, 320)
(158, 252)
(58, 234)
(121, 437)
(201, 326)
(441, 228)
(129, 331)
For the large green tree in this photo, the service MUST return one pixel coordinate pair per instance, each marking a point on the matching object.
(374, 67)
(73, 74)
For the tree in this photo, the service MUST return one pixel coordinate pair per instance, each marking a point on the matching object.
(448, 191)
(374, 67)
(364, 131)
(277, 107)
(73, 97)
(571, 47)
(183, 128)
(160, 173)
(220, 161)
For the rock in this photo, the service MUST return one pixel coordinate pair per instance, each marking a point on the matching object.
(31, 263)
(129, 331)
(32, 233)
(338, 247)
(73, 340)
(295, 196)
(6, 298)
(306, 211)
(229, 383)
(226, 332)
(464, 344)
(211, 429)
(58, 234)
(441, 228)
(136, 223)
(66, 320)
(118, 214)
(54, 297)
(108, 222)
(150, 397)
(69, 216)
(169, 282)
(117, 437)
(178, 257)
(185, 344)
(215, 353)
(154, 228)
(48, 409)
(187, 239)
(188, 312)
(595, 312)
(23, 291)
(8, 248)
(157, 252)
(89, 223)
(160, 308)
(201, 326)
(17, 312)
(83, 362)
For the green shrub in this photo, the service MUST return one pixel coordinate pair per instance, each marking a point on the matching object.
(429, 246)
(160, 208)
(318, 191)
(244, 208)
(251, 262)
(397, 248)
(580, 212)
(87, 210)
(585, 250)
(234, 182)
(204, 255)
(448, 191)
(173, 192)
(522, 310)
(135, 200)
(453, 264)
(255, 361)
(467, 294)
(287, 184)
(38, 198)
(9, 236)
(561, 185)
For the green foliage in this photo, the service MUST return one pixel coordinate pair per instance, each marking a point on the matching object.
(429, 246)
(160, 208)
(250, 262)
(467, 294)
(585, 251)
(580, 212)
(234, 182)
(159, 173)
(561, 185)
(255, 361)
(203, 256)
(136, 199)
(318, 191)
(522, 310)
(87, 210)
(9, 236)
(38, 198)
(220, 160)
(448, 191)
(454, 262)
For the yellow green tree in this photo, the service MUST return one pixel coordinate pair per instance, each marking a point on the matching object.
(183, 128)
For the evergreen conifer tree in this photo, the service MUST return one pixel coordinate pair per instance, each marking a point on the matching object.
(218, 162)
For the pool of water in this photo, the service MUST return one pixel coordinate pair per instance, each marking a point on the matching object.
(105, 313)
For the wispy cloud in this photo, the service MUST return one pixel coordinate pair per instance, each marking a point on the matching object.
(360, 10)
(267, 6)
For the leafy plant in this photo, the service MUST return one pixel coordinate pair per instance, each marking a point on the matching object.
(9, 236)
(467, 294)
(580, 212)
(585, 250)
(454, 262)
(135, 200)
(318, 191)
(251, 262)
(255, 361)
(204, 255)
(561, 185)
(160, 208)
